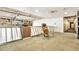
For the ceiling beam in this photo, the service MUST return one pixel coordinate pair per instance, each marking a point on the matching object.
(13, 11)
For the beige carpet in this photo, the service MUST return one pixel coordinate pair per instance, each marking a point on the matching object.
(60, 42)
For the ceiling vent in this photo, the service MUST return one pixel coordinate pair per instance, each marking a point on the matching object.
(65, 9)
(53, 11)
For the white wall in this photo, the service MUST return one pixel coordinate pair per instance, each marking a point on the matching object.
(57, 22)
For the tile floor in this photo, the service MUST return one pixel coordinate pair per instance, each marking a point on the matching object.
(60, 42)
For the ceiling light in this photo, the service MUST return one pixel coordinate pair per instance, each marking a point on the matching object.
(65, 13)
(36, 10)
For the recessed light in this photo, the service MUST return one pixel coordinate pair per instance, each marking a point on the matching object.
(36, 10)
(65, 13)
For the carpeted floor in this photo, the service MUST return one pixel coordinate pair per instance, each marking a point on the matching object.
(60, 42)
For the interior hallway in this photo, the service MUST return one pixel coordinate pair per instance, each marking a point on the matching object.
(60, 42)
(71, 30)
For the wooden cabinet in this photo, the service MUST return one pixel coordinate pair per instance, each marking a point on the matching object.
(26, 31)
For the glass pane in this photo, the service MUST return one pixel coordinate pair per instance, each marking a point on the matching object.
(9, 35)
(2, 35)
(19, 33)
(14, 33)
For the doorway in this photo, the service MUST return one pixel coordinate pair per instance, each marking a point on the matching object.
(69, 24)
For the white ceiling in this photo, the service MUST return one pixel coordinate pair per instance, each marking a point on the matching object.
(6, 12)
(45, 11)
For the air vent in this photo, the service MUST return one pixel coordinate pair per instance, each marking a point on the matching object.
(53, 11)
(65, 9)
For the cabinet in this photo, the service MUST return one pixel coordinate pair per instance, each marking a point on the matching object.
(26, 31)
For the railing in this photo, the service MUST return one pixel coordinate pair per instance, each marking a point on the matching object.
(36, 30)
(14, 33)
(9, 34)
